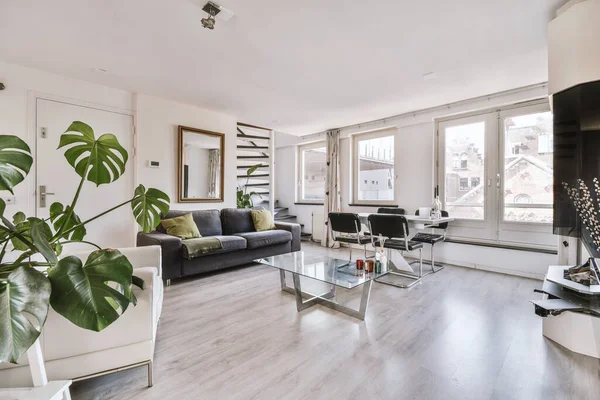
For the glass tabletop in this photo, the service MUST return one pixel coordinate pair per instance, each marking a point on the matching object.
(322, 268)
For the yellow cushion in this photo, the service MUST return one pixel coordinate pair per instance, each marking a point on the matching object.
(183, 227)
(263, 220)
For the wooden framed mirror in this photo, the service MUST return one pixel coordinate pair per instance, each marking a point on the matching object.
(200, 165)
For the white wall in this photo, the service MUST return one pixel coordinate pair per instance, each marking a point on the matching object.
(414, 186)
(157, 122)
(156, 127)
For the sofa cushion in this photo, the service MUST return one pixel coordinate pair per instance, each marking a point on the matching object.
(266, 238)
(183, 227)
(236, 220)
(228, 244)
(207, 221)
(263, 220)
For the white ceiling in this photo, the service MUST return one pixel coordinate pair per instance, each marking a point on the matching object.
(296, 66)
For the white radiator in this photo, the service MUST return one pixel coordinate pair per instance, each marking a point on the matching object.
(317, 226)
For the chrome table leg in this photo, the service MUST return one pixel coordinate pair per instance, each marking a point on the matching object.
(328, 299)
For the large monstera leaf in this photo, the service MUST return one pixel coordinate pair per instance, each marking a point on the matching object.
(94, 295)
(23, 299)
(99, 160)
(60, 215)
(15, 161)
(148, 206)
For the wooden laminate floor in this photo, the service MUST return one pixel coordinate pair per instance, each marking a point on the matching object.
(460, 334)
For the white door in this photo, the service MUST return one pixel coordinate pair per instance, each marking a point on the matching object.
(113, 230)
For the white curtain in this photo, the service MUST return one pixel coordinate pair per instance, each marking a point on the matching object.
(332, 184)
(214, 175)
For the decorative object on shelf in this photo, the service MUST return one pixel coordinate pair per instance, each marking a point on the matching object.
(92, 294)
(587, 207)
(244, 199)
(586, 274)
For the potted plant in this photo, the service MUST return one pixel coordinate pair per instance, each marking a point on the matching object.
(244, 199)
(91, 293)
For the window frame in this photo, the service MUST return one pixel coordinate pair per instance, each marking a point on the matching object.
(493, 229)
(354, 184)
(300, 149)
(465, 228)
(510, 229)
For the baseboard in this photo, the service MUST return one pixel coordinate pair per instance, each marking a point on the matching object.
(457, 263)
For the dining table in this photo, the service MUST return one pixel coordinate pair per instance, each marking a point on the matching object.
(397, 261)
(416, 221)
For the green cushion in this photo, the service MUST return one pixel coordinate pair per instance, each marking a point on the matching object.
(183, 227)
(263, 220)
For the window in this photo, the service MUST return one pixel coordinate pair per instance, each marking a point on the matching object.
(502, 191)
(459, 138)
(312, 168)
(456, 161)
(463, 160)
(373, 167)
(528, 173)
(545, 144)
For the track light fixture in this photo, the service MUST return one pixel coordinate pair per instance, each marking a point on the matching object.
(212, 10)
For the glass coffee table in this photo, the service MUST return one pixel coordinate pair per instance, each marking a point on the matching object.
(334, 272)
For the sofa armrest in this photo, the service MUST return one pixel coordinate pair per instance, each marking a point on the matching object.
(294, 229)
(171, 249)
(142, 257)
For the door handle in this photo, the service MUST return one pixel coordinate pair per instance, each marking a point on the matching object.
(43, 195)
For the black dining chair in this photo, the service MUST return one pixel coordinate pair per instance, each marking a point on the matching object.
(345, 228)
(394, 230)
(391, 210)
(437, 235)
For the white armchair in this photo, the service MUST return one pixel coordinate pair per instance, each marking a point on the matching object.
(74, 353)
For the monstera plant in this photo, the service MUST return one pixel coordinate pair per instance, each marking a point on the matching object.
(90, 293)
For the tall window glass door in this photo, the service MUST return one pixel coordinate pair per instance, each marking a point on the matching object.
(527, 167)
(495, 175)
(464, 169)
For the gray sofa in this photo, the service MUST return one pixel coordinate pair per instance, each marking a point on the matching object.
(241, 244)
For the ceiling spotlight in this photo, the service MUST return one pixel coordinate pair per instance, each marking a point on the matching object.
(212, 10)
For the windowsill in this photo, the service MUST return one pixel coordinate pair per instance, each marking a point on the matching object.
(304, 203)
(474, 242)
(374, 205)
